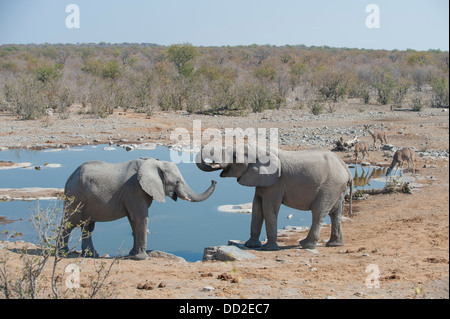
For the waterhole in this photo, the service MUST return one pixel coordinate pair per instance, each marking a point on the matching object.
(181, 228)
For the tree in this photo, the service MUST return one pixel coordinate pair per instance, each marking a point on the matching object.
(181, 55)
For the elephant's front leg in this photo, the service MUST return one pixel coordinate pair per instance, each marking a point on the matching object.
(256, 223)
(139, 226)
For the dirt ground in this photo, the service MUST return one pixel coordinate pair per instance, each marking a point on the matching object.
(403, 236)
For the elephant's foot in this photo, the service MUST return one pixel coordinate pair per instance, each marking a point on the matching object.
(142, 256)
(335, 243)
(138, 255)
(270, 246)
(89, 253)
(307, 244)
(253, 243)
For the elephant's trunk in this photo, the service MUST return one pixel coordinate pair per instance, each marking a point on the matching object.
(183, 191)
(206, 167)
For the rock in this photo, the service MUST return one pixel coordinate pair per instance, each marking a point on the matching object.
(226, 253)
(162, 254)
(162, 285)
(145, 286)
(241, 208)
(387, 147)
(208, 289)
(129, 148)
(296, 228)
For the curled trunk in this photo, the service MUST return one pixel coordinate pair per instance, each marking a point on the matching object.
(183, 191)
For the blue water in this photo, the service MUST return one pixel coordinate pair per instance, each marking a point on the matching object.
(181, 228)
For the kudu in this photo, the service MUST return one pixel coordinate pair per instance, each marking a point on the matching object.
(376, 135)
(406, 154)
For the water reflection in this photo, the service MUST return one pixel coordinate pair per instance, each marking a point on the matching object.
(364, 176)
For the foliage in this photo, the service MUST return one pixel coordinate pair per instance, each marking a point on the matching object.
(181, 55)
(440, 92)
(31, 281)
(384, 87)
(211, 80)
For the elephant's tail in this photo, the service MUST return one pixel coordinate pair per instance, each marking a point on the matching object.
(350, 213)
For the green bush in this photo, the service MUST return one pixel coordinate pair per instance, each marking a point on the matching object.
(440, 95)
(384, 86)
(47, 73)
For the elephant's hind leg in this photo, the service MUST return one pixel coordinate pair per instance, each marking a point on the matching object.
(319, 209)
(336, 238)
(86, 243)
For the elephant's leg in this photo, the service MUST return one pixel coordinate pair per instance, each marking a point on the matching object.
(139, 226)
(256, 223)
(320, 208)
(86, 242)
(70, 221)
(270, 211)
(64, 240)
(336, 212)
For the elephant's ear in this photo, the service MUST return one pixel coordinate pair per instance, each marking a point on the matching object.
(265, 172)
(151, 179)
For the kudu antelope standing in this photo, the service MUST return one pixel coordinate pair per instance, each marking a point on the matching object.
(406, 154)
(376, 135)
(361, 147)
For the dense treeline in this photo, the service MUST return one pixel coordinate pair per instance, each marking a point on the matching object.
(214, 80)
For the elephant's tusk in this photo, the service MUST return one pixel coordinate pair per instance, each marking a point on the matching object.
(215, 166)
(186, 198)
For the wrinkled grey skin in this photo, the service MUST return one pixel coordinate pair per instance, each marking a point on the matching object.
(107, 192)
(313, 180)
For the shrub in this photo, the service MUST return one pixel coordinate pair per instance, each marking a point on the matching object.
(265, 72)
(364, 96)
(25, 97)
(416, 104)
(316, 106)
(48, 73)
(399, 91)
(260, 96)
(440, 95)
(331, 84)
(107, 70)
(384, 87)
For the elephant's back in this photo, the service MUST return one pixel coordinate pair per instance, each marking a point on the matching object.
(94, 178)
(318, 165)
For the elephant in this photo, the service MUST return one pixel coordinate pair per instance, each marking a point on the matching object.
(100, 192)
(314, 179)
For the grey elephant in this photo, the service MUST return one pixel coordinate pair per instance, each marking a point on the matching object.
(315, 180)
(100, 192)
